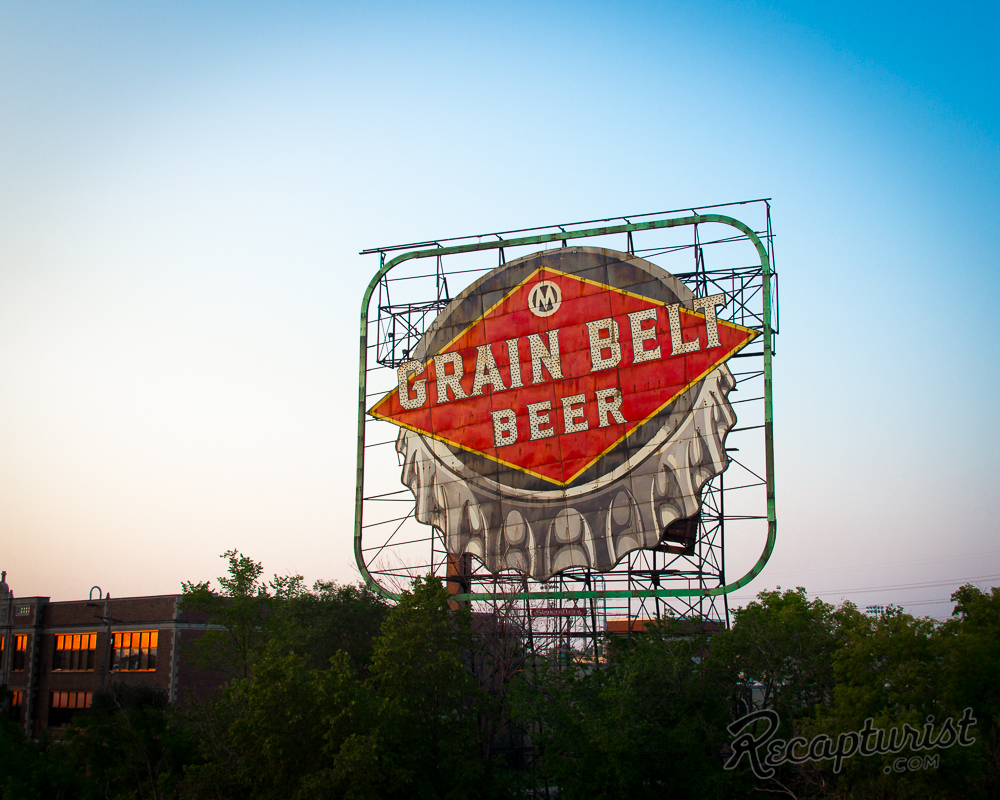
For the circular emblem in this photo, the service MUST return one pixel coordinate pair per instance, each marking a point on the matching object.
(545, 298)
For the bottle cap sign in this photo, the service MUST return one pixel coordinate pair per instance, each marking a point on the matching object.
(541, 402)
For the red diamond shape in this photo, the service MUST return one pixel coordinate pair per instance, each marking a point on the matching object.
(560, 454)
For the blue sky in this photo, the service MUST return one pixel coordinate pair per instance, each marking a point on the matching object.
(184, 189)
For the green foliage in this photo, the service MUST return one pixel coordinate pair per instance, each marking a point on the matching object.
(130, 744)
(779, 652)
(329, 619)
(650, 723)
(886, 670)
(252, 614)
(333, 694)
(41, 770)
(828, 670)
(242, 609)
(422, 736)
(389, 716)
(295, 658)
(264, 737)
(969, 650)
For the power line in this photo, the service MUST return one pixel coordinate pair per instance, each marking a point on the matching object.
(925, 585)
(929, 602)
(856, 567)
(904, 586)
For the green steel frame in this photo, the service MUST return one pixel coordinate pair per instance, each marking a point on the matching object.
(562, 235)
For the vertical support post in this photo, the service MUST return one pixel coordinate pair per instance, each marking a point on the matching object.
(33, 658)
(442, 282)
(593, 620)
(722, 543)
(107, 639)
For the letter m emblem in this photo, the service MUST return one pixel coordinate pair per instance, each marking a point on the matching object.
(544, 299)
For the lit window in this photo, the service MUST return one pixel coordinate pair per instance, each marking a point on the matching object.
(135, 651)
(16, 704)
(75, 652)
(64, 705)
(20, 651)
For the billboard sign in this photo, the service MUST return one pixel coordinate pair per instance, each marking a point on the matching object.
(566, 409)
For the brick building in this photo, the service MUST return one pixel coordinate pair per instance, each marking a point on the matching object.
(55, 656)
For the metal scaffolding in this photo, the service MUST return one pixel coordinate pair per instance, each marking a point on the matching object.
(685, 575)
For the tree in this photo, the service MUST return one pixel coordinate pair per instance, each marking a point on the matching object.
(649, 723)
(402, 725)
(969, 649)
(31, 770)
(413, 731)
(250, 613)
(330, 618)
(779, 652)
(289, 654)
(242, 608)
(885, 668)
(266, 736)
(898, 670)
(129, 745)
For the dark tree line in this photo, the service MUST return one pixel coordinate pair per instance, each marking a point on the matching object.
(332, 693)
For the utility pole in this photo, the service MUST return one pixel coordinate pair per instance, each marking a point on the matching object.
(107, 619)
(107, 639)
